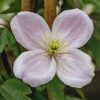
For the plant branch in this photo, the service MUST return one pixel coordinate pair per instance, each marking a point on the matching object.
(50, 11)
(50, 14)
(26, 5)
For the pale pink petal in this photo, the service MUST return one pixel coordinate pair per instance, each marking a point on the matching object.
(74, 27)
(35, 67)
(29, 29)
(75, 68)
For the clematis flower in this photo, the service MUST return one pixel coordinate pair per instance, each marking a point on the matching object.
(53, 52)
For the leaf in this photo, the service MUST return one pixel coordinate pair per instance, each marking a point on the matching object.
(7, 17)
(15, 7)
(2, 3)
(13, 89)
(94, 3)
(71, 98)
(95, 46)
(77, 3)
(1, 98)
(56, 89)
(7, 40)
(38, 95)
(3, 39)
(1, 78)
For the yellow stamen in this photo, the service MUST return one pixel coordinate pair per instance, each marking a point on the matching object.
(53, 46)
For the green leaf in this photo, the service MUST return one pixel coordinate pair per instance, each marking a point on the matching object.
(56, 89)
(7, 17)
(14, 7)
(1, 98)
(95, 46)
(77, 3)
(7, 41)
(95, 4)
(3, 39)
(2, 3)
(38, 95)
(14, 89)
(1, 78)
(71, 98)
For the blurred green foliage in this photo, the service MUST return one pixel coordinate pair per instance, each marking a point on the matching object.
(14, 89)
(11, 88)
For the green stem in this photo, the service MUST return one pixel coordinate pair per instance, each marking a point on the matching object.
(79, 91)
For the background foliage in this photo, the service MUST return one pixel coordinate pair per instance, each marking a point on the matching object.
(12, 88)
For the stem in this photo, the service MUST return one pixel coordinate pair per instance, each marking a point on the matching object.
(3, 25)
(81, 94)
(50, 11)
(49, 96)
(26, 5)
(6, 62)
(50, 14)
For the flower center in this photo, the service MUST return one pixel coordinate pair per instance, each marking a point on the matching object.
(53, 46)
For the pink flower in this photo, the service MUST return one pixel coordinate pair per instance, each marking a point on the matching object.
(53, 51)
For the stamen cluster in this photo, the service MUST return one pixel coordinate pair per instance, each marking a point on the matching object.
(53, 46)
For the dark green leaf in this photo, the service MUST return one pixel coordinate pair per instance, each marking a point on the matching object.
(55, 89)
(14, 89)
(38, 95)
(1, 97)
(7, 40)
(3, 39)
(95, 46)
(71, 98)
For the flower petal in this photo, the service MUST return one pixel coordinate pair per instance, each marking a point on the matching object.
(35, 67)
(73, 26)
(75, 68)
(29, 29)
